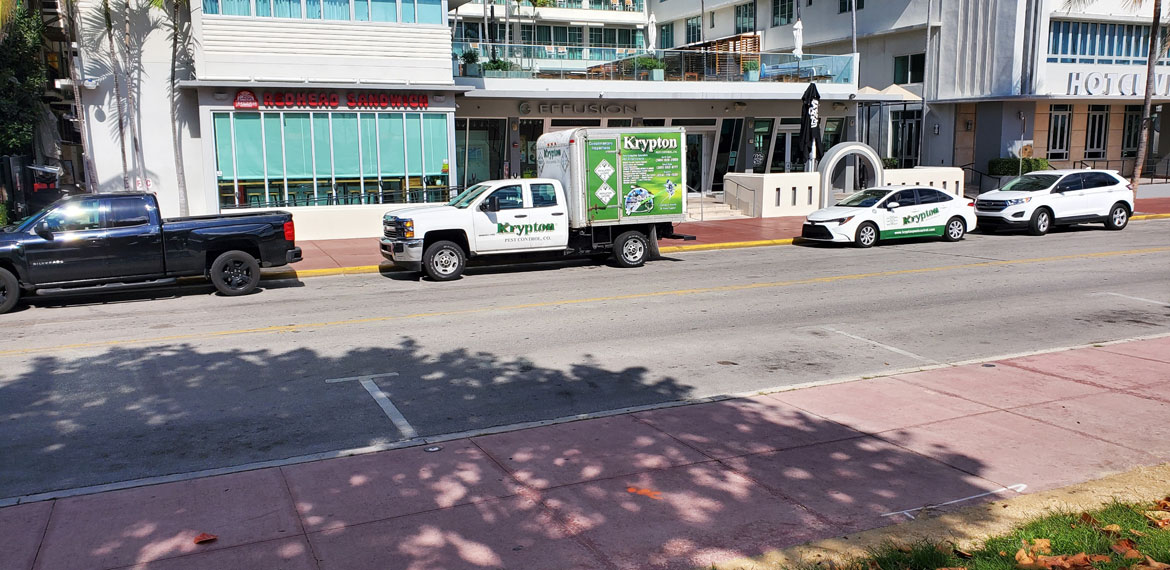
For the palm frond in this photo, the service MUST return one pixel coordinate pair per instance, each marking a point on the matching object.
(1080, 5)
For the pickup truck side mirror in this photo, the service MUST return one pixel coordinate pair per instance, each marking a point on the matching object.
(42, 229)
(491, 204)
(892, 205)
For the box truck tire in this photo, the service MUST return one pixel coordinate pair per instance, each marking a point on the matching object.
(630, 249)
(444, 260)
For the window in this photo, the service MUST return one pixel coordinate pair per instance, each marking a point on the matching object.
(909, 68)
(125, 212)
(745, 18)
(845, 5)
(712, 19)
(1097, 131)
(510, 197)
(903, 198)
(1092, 42)
(1058, 127)
(406, 11)
(1070, 183)
(74, 217)
(666, 36)
(1131, 131)
(782, 11)
(928, 196)
(543, 195)
(694, 29)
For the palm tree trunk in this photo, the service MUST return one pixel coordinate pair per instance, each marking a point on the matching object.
(116, 72)
(177, 141)
(132, 115)
(1151, 80)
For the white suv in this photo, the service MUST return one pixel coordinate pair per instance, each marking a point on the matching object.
(1040, 199)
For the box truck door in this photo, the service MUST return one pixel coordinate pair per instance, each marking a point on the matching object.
(602, 187)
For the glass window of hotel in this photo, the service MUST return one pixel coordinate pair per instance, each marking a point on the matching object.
(909, 68)
(1059, 119)
(304, 159)
(782, 11)
(694, 29)
(1131, 131)
(844, 5)
(408, 11)
(745, 18)
(1097, 132)
(1091, 42)
(666, 36)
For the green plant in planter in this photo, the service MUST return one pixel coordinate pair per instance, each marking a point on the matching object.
(890, 162)
(495, 64)
(470, 56)
(750, 65)
(645, 63)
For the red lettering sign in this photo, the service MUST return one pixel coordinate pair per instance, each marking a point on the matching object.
(322, 100)
(246, 100)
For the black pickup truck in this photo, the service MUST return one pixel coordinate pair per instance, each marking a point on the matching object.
(108, 241)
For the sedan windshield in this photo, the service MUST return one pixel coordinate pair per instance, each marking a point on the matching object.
(1030, 183)
(864, 199)
(468, 196)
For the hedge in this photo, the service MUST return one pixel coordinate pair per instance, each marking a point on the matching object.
(1012, 166)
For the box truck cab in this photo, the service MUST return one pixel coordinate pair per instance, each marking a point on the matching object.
(601, 193)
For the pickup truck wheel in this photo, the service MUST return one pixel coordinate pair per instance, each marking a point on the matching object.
(1118, 217)
(9, 290)
(1041, 222)
(235, 273)
(444, 260)
(629, 250)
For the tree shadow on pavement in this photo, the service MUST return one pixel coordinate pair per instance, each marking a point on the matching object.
(672, 487)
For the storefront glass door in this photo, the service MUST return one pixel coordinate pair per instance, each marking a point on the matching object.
(479, 149)
(530, 131)
(785, 153)
(728, 151)
(761, 142)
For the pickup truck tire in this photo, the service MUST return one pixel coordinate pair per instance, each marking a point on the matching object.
(1041, 222)
(630, 249)
(444, 260)
(9, 290)
(235, 273)
(1118, 217)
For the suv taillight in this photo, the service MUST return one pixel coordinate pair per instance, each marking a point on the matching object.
(1129, 187)
(290, 231)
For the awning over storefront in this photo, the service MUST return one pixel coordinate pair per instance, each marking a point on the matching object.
(274, 83)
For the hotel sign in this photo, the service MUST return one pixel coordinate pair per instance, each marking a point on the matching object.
(331, 100)
(1114, 84)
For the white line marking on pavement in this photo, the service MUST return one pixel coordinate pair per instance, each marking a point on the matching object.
(1142, 299)
(1018, 487)
(388, 407)
(366, 377)
(885, 346)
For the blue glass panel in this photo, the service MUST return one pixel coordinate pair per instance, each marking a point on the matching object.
(408, 11)
(286, 8)
(383, 10)
(237, 7)
(336, 9)
(430, 12)
(210, 6)
(361, 10)
(263, 8)
(313, 9)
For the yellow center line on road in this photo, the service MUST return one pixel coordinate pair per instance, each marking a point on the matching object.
(625, 297)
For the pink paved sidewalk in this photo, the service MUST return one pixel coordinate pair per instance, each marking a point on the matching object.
(671, 488)
(333, 254)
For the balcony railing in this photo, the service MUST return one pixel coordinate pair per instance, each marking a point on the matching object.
(614, 5)
(636, 64)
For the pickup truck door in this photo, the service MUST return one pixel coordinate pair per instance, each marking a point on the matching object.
(133, 244)
(73, 253)
(548, 216)
(497, 231)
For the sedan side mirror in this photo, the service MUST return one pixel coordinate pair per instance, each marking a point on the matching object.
(892, 205)
(491, 204)
(42, 229)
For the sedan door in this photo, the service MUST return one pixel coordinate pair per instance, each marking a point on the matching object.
(905, 219)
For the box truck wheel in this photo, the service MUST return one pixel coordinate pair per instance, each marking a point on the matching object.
(444, 260)
(630, 248)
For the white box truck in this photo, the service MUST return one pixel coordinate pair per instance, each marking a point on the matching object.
(599, 193)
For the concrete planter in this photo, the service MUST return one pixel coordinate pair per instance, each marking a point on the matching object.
(751, 75)
(471, 70)
(657, 75)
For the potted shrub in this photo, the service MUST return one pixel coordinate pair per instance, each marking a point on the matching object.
(751, 70)
(470, 62)
(653, 65)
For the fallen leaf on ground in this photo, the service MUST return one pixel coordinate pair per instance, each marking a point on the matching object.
(1113, 528)
(1002, 553)
(1124, 545)
(1132, 554)
(963, 554)
(1040, 546)
(1100, 558)
(1163, 505)
(1089, 520)
(1025, 562)
(204, 537)
(1151, 564)
(1160, 519)
(953, 568)
(1137, 532)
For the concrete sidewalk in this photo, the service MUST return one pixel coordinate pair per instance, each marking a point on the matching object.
(362, 255)
(676, 487)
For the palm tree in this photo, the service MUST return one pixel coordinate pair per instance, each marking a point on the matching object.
(107, 17)
(174, 10)
(73, 22)
(1156, 49)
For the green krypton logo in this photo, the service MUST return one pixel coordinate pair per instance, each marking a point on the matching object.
(523, 229)
(907, 220)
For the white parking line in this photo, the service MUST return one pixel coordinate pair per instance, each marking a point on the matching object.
(1018, 487)
(383, 401)
(1142, 299)
(885, 346)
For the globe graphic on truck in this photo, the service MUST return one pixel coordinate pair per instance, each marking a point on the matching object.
(639, 201)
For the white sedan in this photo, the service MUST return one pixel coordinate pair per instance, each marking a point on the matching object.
(892, 212)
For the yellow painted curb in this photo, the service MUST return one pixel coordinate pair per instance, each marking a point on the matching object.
(725, 245)
(297, 274)
(1150, 217)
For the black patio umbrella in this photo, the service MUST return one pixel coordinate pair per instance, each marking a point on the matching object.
(810, 125)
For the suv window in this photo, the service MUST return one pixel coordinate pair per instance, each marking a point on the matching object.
(75, 216)
(510, 197)
(1070, 182)
(1099, 180)
(543, 195)
(124, 212)
(903, 198)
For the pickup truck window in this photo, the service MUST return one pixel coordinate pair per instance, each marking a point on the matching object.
(543, 195)
(74, 217)
(468, 196)
(125, 212)
(511, 197)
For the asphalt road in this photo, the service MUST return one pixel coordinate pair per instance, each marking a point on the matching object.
(99, 390)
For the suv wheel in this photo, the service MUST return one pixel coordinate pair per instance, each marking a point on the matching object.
(1118, 217)
(1041, 222)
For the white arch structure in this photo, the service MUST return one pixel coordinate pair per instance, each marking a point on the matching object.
(839, 152)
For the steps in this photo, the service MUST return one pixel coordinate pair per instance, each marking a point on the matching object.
(710, 207)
